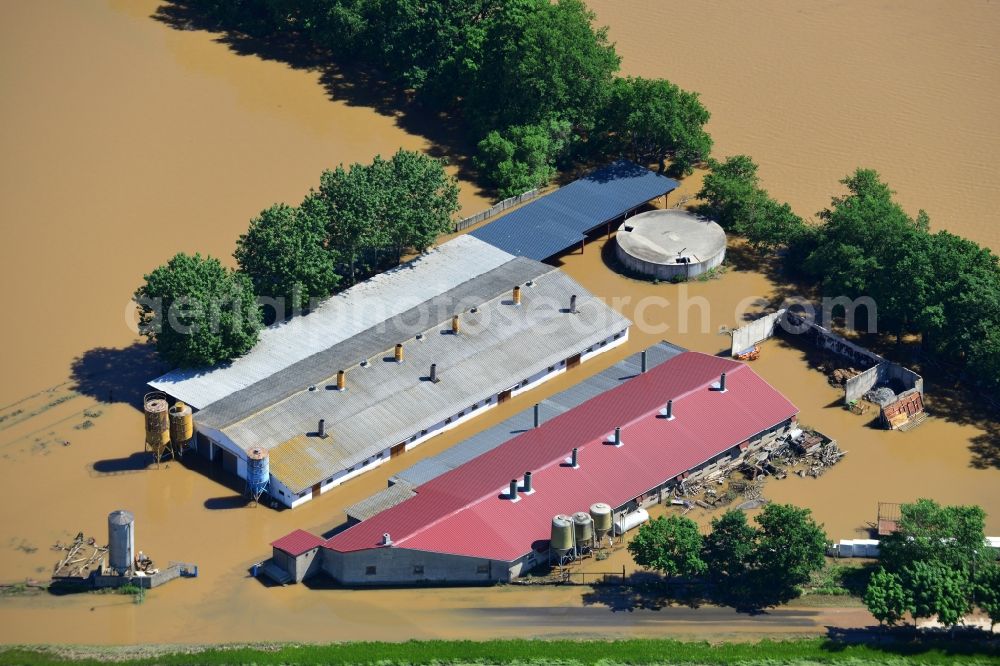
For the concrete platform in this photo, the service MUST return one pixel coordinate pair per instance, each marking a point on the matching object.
(666, 244)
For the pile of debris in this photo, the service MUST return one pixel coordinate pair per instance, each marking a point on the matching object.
(881, 395)
(839, 376)
(82, 558)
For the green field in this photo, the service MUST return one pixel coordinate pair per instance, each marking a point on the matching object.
(638, 651)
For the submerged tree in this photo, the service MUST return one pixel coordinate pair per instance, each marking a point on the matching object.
(285, 255)
(197, 312)
(523, 157)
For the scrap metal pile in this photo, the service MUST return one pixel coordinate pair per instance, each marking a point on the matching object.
(807, 453)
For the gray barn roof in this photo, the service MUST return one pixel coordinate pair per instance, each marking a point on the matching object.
(560, 220)
(487, 440)
(338, 318)
(386, 402)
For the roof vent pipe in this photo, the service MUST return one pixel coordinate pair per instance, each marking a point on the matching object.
(536, 415)
(399, 353)
(512, 494)
(618, 436)
(321, 430)
(456, 325)
(434, 373)
(722, 383)
(668, 411)
(574, 459)
(572, 304)
(341, 380)
(526, 486)
(642, 361)
(517, 295)
(386, 540)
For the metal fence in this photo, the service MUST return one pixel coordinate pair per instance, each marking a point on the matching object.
(496, 208)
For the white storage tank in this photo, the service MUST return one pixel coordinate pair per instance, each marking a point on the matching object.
(121, 541)
(630, 521)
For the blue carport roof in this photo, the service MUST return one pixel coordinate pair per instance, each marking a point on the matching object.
(560, 220)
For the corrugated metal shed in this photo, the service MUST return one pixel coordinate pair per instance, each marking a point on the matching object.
(337, 319)
(386, 402)
(489, 439)
(560, 220)
(465, 511)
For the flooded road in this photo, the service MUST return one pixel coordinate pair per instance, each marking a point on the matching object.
(125, 141)
(813, 90)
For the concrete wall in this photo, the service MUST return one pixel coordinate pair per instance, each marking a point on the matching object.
(634, 264)
(301, 567)
(756, 331)
(148, 582)
(885, 373)
(405, 566)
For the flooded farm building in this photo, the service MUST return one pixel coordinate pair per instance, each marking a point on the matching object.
(668, 244)
(391, 362)
(563, 219)
(489, 519)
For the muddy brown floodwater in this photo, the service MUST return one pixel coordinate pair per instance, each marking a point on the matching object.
(813, 90)
(124, 141)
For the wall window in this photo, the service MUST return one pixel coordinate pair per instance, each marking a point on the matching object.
(423, 432)
(370, 571)
(551, 368)
(447, 420)
(418, 570)
(482, 569)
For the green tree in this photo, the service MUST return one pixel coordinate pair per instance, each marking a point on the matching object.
(537, 60)
(285, 255)
(523, 157)
(988, 592)
(671, 546)
(197, 312)
(936, 591)
(952, 536)
(734, 198)
(728, 555)
(790, 547)
(405, 202)
(655, 120)
(885, 597)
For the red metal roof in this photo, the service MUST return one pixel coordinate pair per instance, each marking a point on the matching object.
(465, 512)
(297, 542)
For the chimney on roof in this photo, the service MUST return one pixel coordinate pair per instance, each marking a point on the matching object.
(434, 373)
(642, 361)
(321, 430)
(399, 352)
(618, 436)
(341, 380)
(536, 415)
(668, 411)
(386, 540)
(572, 304)
(456, 325)
(517, 295)
(722, 383)
(512, 494)
(574, 458)
(526, 486)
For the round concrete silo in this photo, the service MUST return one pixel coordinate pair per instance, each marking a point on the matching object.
(121, 541)
(670, 244)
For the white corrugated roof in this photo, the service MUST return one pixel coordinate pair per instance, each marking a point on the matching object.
(338, 318)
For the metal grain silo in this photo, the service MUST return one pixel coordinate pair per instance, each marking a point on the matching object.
(583, 527)
(258, 472)
(562, 535)
(601, 515)
(121, 541)
(181, 425)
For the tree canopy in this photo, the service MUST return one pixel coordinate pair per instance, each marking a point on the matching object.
(671, 546)
(885, 597)
(197, 312)
(524, 157)
(284, 254)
